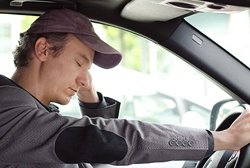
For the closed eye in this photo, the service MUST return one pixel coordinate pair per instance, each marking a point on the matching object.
(78, 64)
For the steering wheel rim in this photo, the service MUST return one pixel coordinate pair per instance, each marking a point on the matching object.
(243, 158)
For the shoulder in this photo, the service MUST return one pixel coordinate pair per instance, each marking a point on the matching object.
(13, 96)
(6, 81)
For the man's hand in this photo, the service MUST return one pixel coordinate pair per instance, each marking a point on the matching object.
(86, 92)
(236, 136)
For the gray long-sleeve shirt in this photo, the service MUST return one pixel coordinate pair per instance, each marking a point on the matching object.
(31, 136)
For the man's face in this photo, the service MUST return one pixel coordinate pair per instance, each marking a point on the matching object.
(67, 71)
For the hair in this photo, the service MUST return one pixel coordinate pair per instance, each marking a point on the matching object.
(23, 52)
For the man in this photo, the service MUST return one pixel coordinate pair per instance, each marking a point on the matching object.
(52, 60)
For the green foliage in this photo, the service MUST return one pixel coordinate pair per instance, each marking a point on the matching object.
(164, 60)
(136, 50)
(127, 44)
(26, 22)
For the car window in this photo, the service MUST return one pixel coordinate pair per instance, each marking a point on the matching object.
(231, 31)
(151, 83)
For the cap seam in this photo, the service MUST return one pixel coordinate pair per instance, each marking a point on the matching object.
(46, 25)
(78, 25)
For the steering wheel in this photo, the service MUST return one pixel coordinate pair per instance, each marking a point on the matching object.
(228, 158)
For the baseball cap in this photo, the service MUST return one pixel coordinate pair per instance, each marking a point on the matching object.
(69, 21)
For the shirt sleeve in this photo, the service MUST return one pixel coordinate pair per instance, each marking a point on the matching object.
(31, 134)
(101, 104)
(210, 143)
(106, 108)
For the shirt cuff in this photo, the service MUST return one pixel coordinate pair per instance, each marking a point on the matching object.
(101, 104)
(210, 143)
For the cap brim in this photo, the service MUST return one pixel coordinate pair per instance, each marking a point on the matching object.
(105, 56)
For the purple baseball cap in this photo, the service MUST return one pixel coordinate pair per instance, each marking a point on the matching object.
(69, 21)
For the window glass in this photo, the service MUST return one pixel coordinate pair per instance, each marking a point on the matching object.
(5, 38)
(152, 107)
(231, 31)
(151, 83)
(154, 85)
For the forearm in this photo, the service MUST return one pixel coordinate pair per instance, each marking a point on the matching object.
(225, 140)
(172, 142)
(106, 108)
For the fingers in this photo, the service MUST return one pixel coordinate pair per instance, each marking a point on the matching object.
(86, 92)
(240, 130)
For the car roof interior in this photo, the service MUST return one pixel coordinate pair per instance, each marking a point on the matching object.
(123, 13)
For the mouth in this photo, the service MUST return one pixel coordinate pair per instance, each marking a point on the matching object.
(73, 91)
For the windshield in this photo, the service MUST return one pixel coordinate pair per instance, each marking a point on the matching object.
(231, 31)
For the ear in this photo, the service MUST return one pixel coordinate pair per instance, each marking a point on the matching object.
(41, 49)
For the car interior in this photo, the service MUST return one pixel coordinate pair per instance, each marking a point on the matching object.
(169, 25)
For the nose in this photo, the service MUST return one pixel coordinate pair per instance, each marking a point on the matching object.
(83, 79)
